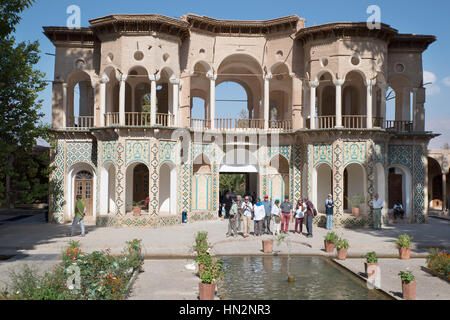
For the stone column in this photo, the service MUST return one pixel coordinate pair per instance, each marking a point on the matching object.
(64, 101)
(133, 97)
(406, 106)
(444, 191)
(212, 99)
(338, 83)
(369, 104)
(122, 78)
(267, 79)
(383, 89)
(297, 103)
(103, 83)
(175, 99)
(419, 110)
(313, 86)
(153, 79)
(185, 101)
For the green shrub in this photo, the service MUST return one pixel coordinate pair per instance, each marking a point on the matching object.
(407, 276)
(213, 272)
(332, 237)
(439, 262)
(342, 244)
(404, 241)
(371, 257)
(204, 259)
(202, 237)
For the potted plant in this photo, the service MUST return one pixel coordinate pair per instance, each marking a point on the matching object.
(342, 248)
(203, 261)
(331, 240)
(356, 201)
(371, 263)
(408, 285)
(404, 246)
(202, 248)
(137, 208)
(267, 246)
(211, 274)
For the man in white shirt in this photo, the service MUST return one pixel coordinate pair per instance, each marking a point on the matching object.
(247, 209)
(377, 207)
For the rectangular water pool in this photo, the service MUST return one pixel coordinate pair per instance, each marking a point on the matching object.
(265, 278)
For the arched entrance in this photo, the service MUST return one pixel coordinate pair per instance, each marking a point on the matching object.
(278, 178)
(137, 182)
(400, 179)
(108, 189)
(322, 185)
(435, 184)
(167, 189)
(81, 181)
(202, 184)
(355, 187)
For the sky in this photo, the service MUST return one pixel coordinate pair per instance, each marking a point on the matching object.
(420, 17)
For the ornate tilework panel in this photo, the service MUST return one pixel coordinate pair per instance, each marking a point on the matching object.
(354, 152)
(285, 151)
(206, 149)
(296, 173)
(323, 153)
(338, 178)
(168, 151)
(379, 153)
(400, 155)
(138, 151)
(57, 178)
(120, 177)
(81, 152)
(153, 205)
(419, 185)
(109, 151)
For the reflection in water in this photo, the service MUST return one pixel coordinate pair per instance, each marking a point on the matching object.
(265, 278)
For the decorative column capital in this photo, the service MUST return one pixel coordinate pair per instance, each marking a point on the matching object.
(339, 82)
(104, 79)
(154, 77)
(175, 81)
(268, 76)
(64, 85)
(122, 77)
(370, 83)
(314, 84)
(211, 76)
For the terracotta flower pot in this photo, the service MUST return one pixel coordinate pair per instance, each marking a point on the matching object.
(372, 267)
(329, 247)
(356, 212)
(267, 246)
(342, 254)
(137, 211)
(207, 291)
(404, 253)
(409, 290)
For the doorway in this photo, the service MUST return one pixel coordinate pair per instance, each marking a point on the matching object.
(83, 185)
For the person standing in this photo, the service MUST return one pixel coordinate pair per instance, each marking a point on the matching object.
(310, 213)
(276, 214)
(260, 214)
(247, 209)
(268, 208)
(299, 216)
(80, 213)
(329, 208)
(232, 232)
(240, 213)
(286, 211)
(228, 203)
(398, 210)
(377, 207)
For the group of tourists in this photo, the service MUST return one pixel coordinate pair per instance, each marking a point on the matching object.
(268, 217)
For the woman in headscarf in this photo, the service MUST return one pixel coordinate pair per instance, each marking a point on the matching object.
(329, 205)
(259, 215)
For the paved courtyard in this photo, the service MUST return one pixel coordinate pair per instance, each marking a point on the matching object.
(32, 241)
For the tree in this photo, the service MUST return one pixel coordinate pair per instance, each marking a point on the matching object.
(20, 115)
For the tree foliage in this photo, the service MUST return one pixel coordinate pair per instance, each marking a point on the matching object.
(20, 109)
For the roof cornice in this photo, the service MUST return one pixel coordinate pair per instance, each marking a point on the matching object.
(64, 36)
(412, 42)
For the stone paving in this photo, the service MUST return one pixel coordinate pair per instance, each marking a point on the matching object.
(42, 244)
(428, 286)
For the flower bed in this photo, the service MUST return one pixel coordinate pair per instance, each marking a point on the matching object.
(438, 262)
(80, 276)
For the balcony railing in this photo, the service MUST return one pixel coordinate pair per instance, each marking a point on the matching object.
(81, 123)
(241, 124)
(112, 119)
(326, 122)
(402, 126)
(284, 125)
(354, 122)
(165, 120)
(139, 119)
